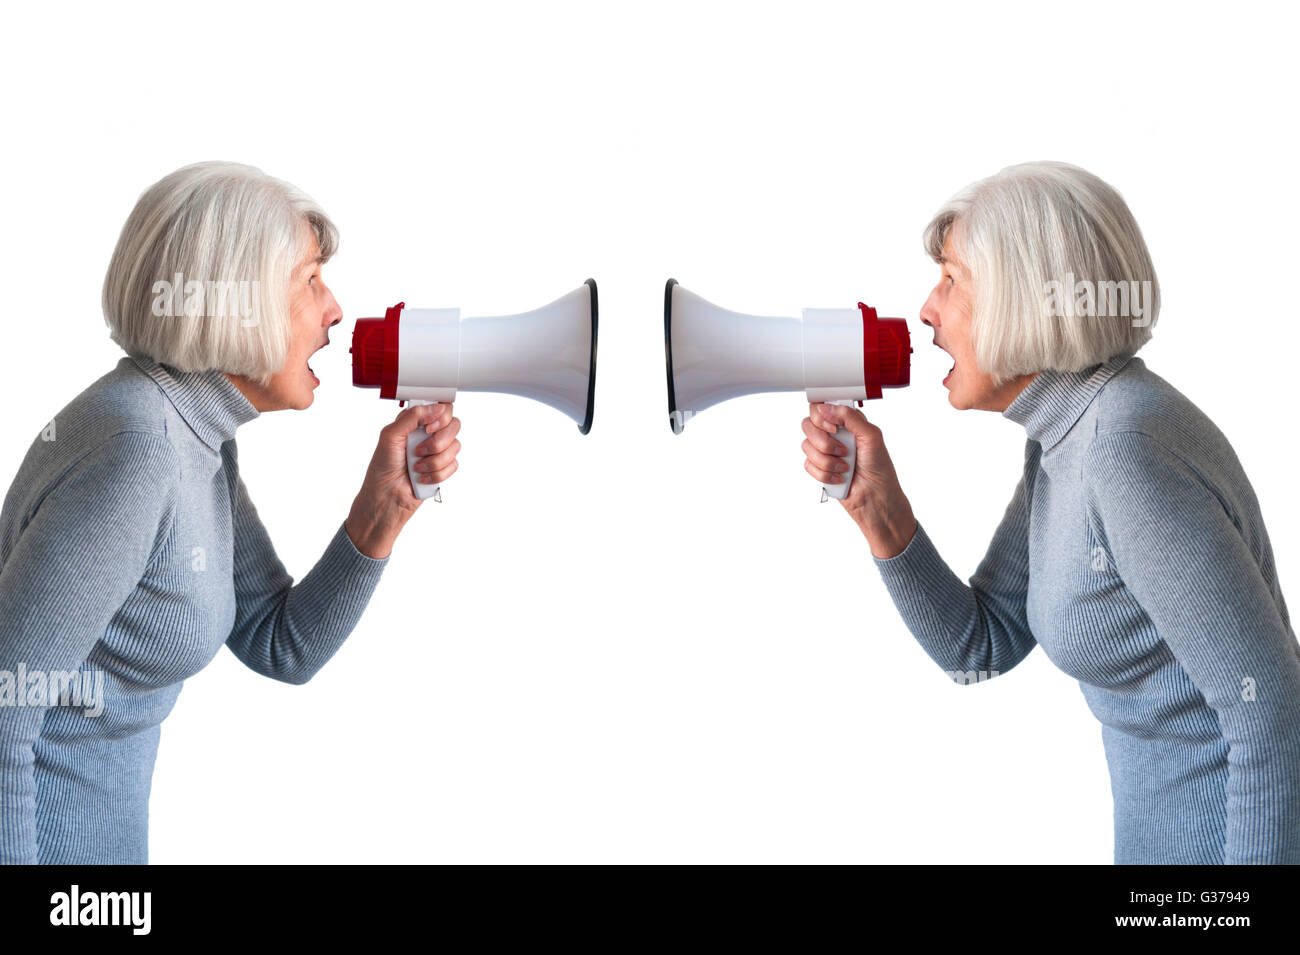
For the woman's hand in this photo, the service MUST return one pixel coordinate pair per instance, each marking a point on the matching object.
(875, 500)
(385, 502)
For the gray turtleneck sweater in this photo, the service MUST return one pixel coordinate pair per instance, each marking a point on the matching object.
(129, 554)
(1134, 552)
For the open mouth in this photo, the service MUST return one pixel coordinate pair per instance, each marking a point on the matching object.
(954, 364)
(309, 368)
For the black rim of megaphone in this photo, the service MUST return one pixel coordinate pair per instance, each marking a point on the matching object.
(591, 377)
(668, 350)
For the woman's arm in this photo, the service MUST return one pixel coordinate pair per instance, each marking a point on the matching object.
(284, 631)
(289, 632)
(973, 632)
(978, 631)
(78, 559)
(1182, 556)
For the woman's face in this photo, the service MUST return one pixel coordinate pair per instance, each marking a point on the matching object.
(948, 311)
(312, 310)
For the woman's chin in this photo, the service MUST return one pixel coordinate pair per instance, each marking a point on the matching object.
(951, 384)
(300, 398)
(956, 394)
(307, 393)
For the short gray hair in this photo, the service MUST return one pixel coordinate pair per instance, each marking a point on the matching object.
(1026, 227)
(227, 227)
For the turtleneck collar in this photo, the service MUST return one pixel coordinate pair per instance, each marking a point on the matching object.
(208, 401)
(1053, 401)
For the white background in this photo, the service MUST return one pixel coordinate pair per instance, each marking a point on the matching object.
(635, 646)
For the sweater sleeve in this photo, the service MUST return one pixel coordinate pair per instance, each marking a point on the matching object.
(282, 630)
(1182, 556)
(978, 631)
(79, 557)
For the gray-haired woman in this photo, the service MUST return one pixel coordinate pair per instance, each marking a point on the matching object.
(130, 551)
(1133, 549)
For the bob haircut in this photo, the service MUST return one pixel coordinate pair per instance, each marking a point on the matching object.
(1051, 250)
(200, 276)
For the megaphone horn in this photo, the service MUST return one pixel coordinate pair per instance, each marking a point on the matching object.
(427, 355)
(840, 355)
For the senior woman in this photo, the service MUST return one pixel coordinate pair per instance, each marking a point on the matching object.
(1133, 549)
(130, 551)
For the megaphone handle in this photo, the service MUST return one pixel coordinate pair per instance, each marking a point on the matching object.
(414, 439)
(845, 437)
(839, 491)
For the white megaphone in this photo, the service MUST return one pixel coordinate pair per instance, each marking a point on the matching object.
(427, 355)
(839, 355)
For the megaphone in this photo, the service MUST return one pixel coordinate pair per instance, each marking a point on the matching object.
(838, 355)
(427, 355)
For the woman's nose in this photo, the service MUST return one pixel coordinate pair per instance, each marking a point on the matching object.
(929, 312)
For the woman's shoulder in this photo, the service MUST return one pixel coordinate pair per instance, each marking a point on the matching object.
(117, 422)
(1139, 401)
(123, 399)
(1144, 424)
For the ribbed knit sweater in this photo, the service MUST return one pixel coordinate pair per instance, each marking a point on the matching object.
(129, 554)
(1133, 551)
